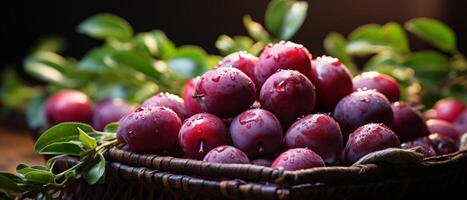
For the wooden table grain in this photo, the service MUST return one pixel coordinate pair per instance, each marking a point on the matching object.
(17, 146)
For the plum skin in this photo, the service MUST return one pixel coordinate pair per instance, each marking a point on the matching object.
(408, 122)
(108, 111)
(332, 80)
(442, 144)
(288, 94)
(243, 61)
(200, 133)
(461, 122)
(168, 100)
(68, 106)
(367, 139)
(362, 107)
(382, 83)
(191, 104)
(444, 128)
(227, 155)
(225, 92)
(448, 109)
(150, 129)
(265, 162)
(282, 55)
(257, 132)
(426, 148)
(319, 133)
(297, 159)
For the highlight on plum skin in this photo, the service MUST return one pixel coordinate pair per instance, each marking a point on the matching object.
(200, 133)
(444, 128)
(319, 133)
(257, 132)
(298, 159)
(226, 155)
(288, 94)
(243, 61)
(168, 100)
(382, 83)
(408, 122)
(448, 109)
(68, 106)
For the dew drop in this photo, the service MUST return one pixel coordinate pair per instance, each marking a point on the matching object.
(280, 86)
(216, 78)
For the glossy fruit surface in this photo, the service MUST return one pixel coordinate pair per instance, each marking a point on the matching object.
(408, 122)
(108, 111)
(282, 55)
(297, 159)
(150, 129)
(369, 138)
(168, 100)
(68, 106)
(426, 148)
(332, 81)
(442, 144)
(243, 61)
(227, 155)
(360, 108)
(380, 82)
(191, 104)
(200, 133)
(288, 95)
(257, 132)
(319, 133)
(448, 109)
(444, 128)
(461, 122)
(225, 92)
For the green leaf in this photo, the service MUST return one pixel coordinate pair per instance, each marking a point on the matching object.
(255, 29)
(9, 181)
(434, 32)
(274, 15)
(51, 43)
(228, 45)
(428, 65)
(106, 26)
(40, 177)
(368, 32)
(335, 45)
(394, 35)
(156, 43)
(456, 88)
(67, 148)
(24, 169)
(93, 61)
(111, 128)
(14, 93)
(132, 60)
(87, 140)
(50, 67)
(93, 175)
(64, 132)
(382, 59)
(293, 20)
(363, 48)
(189, 61)
(4, 196)
(35, 111)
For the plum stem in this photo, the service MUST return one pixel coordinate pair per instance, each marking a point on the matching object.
(201, 146)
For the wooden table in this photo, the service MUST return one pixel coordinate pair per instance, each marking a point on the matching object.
(17, 146)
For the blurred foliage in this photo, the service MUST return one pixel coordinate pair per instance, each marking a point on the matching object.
(425, 76)
(126, 65)
(282, 18)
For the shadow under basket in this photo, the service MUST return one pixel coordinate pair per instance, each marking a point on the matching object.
(136, 176)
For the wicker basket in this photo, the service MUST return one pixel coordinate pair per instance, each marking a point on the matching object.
(135, 176)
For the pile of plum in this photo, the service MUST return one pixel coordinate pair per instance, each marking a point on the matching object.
(281, 110)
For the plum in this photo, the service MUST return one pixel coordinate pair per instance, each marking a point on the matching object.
(265, 162)
(68, 106)
(256, 132)
(367, 139)
(168, 100)
(442, 144)
(288, 94)
(108, 111)
(243, 61)
(380, 82)
(408, 122)
(227, 155)
(461, 122)
(362, 107)
(444, 128)
(200, 133)
(150, 129)
(282, 55)
(191, 104)
(297, 159)
(319, 133)
(225, 92)
(448, 109)
(426, 148)
(332, 81)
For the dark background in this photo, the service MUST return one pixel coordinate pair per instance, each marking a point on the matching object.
(201, 22)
